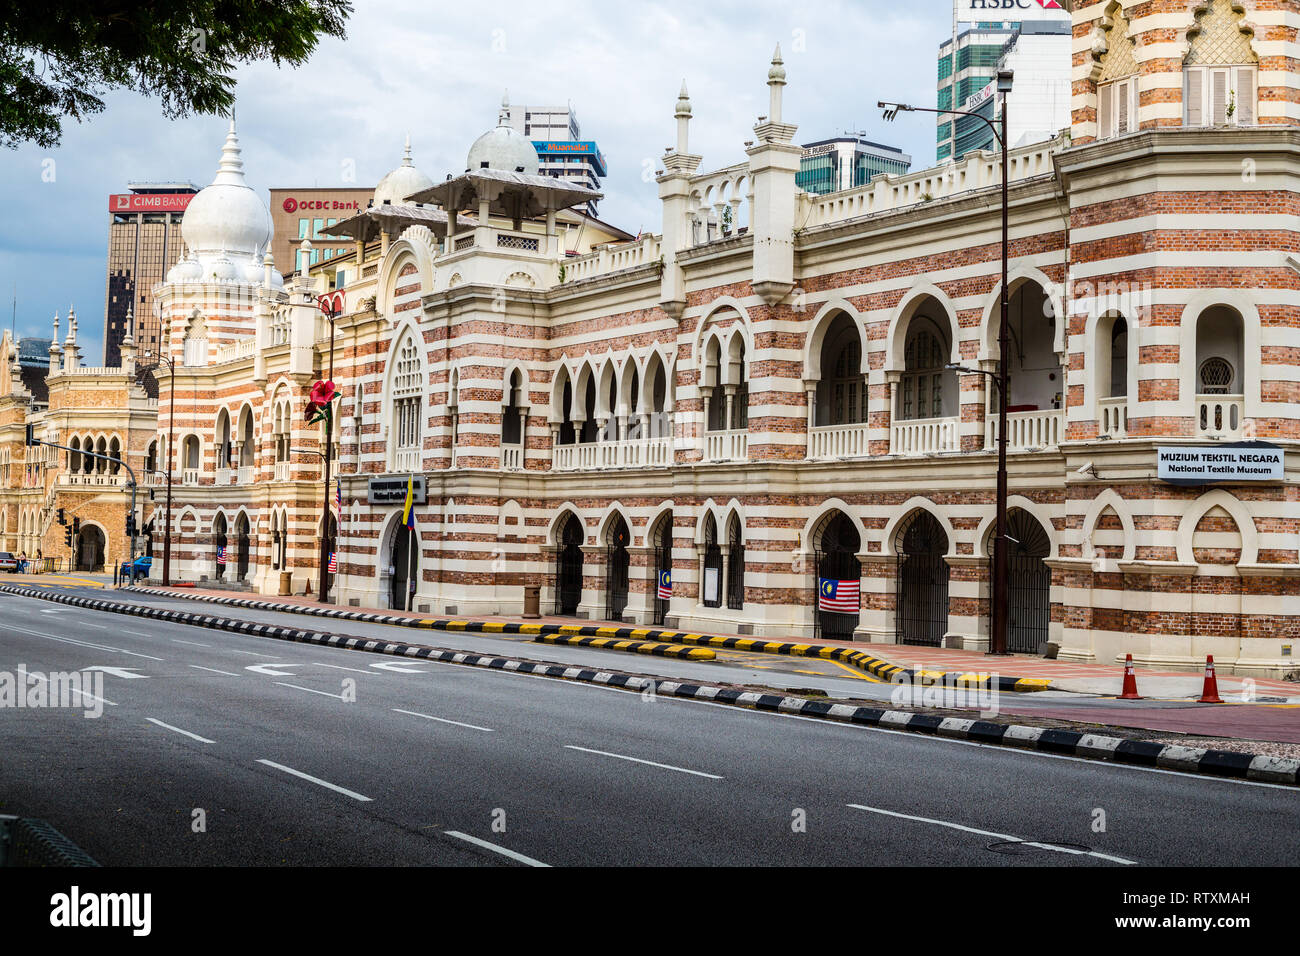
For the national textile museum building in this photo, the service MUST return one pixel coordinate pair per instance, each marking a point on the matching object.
(763, 395)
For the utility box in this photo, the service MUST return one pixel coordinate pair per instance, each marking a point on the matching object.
(532, 600)
(286, 583)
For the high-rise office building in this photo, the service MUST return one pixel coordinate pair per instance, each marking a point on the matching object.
(307, 213)
(144, 241)
(844, 162)
(1039, 55)
(561, 150)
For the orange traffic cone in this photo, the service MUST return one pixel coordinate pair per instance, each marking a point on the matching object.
(1130, 681)
(1210, 690)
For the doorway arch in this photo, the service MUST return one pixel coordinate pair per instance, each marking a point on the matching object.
(241, 546)
(568, 566)
(838, 544)
(403, 564)
(90, 548)
(617, 562)
(220, 555)
(1029, 584)
(922, 610)
(661, 539)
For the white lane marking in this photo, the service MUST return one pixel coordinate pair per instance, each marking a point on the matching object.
(651, 763)
(310, 690)
(213, 669)
(999, 836)
(442, 720)
(127, 630)
(202, 740)
(68, 640)
(75, 690)
(250, 653)
(316, 780)
(101, 627)
(122, 672)
(177, 640)
(270, 669)
(401, 667)
(340, 667)
(519, 857)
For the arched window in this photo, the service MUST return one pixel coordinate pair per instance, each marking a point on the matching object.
(512, 428)
(247, 443)
(735, 565)
(923, 385)
(191, 453)
(842, 391)
(711, 577)
(1119, 358)
(223, 439)
(1219, 352)
(407, 395)
(115, 452)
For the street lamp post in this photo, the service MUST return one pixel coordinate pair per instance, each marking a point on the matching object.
(171, 434)
(331, 305)
(998, 602)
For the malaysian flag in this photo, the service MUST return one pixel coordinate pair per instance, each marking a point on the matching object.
(665, 589)
(839, 597)
(334, 562)
(221, 555)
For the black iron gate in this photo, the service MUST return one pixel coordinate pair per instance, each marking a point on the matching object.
(663, 565)
(1029, 584)
(736, 577)
(568, 570)
(616, 571)
(921, 614)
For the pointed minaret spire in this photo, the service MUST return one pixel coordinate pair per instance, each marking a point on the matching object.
(231, 168)
(683, 115)
(406, 155)
(127, 338)
(775, 80)
(56, 350)
(71, 353)
(505, 109)
(127, 361)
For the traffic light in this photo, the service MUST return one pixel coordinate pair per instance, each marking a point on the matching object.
(67, 537)
(31, 435)
(76, 526)
(130, 526)
(59, 514)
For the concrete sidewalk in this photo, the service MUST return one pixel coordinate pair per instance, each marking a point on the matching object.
(1095, 679)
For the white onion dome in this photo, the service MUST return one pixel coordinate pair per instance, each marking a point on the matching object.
(503, 148)
(187, 269)
(222, 268)
(227, 216)
(403, 181)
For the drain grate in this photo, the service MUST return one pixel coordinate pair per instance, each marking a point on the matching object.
(1026, 847)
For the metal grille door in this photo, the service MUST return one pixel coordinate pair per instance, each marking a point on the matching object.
(568, 570)
(922, 610)
(663, 562)
(616, 567)
(1029, 582)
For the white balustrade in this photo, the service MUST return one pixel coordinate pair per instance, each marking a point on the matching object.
(838, 441)
(1220, 416)
(512, 457)
(923, 436)
(406, 459)
(246, 475)
(282, 471)
(1112, 417)
(732, 445)
(1040, 428)
(190, 476)
(633, 453)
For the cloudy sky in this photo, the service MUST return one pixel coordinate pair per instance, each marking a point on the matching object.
(438, 71)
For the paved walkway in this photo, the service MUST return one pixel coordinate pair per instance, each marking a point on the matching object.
(1104, 679)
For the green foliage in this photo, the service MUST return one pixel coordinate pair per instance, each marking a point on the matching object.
(59, 57)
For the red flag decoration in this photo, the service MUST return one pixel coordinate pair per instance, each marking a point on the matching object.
(838, 597)
(665, 589)
(334, 563)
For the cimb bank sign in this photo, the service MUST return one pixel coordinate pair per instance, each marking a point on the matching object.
(973, 11)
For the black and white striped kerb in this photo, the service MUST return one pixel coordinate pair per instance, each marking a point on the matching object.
(1220, 763)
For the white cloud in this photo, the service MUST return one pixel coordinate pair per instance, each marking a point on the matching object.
(437, 71)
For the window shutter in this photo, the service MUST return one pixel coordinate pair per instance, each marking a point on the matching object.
(1245, 95)
(1121, 93)
(1195, 95)
(1104, 111)
(1219, 96)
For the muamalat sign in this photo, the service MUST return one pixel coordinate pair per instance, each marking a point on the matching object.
(1252, 461)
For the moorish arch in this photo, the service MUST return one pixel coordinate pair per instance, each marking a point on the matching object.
(920, 543)
(1233, 508)
(1108, 503)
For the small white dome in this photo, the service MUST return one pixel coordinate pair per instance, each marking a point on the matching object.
(227, 216)
(187, 269)
(221, 269)
(503, 148)
(403, 181)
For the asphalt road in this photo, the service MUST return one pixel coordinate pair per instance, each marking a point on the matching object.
(441, 764)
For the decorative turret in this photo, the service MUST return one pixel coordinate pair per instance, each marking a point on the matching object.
(674, 191)
(56, 350)
(71, 352)
(773, 163)
(127, 347)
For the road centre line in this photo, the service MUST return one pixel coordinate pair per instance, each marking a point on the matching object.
(251, 653)
(213, 669)
(441, 720)
(496, 849)
(999, 836)
(310, 690)
(651, 763)
(203, 740)
(316, 780)
(177, 640)
(69, 640)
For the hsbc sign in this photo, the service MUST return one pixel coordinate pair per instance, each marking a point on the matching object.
(971, 11)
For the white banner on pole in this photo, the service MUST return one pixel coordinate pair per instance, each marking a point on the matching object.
(973, 11)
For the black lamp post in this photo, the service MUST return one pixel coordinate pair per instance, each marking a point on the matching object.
(171, 434)
(998, 604)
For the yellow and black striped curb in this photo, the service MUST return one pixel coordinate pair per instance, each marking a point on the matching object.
(653, 648)
(872, 666)
(1219, 763)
